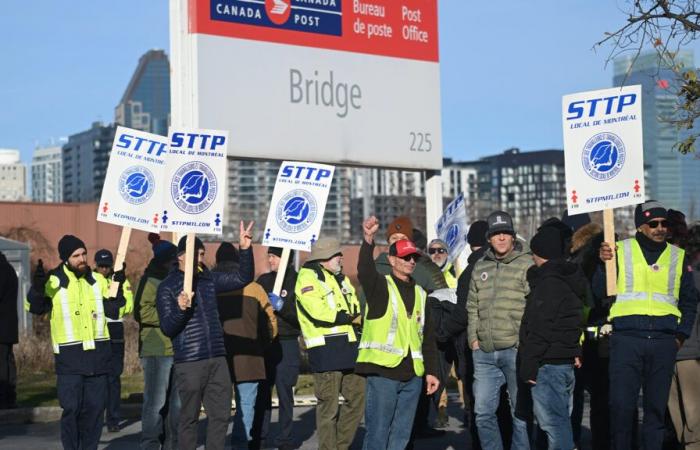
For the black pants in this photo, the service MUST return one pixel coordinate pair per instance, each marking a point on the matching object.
(282, 362)
(83, 401)
(640, 362)
(204, 382)
(8, 377)
(114, 390)
(593, 377)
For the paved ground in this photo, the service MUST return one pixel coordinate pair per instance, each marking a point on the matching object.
(45, 436)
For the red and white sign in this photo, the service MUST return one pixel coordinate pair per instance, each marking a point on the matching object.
(338, 81)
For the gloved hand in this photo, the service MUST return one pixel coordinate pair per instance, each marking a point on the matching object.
(40, 276)
(120, 275)
(275, 300)
(606, 329)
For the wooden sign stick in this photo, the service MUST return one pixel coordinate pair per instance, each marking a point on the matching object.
(284, 259)
(189, 265)
(609, 237)
(121, 256)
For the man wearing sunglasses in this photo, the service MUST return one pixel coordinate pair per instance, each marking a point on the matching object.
(651, 317)
(397, 347)
(437, 249)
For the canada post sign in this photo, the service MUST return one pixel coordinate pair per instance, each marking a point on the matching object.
(297, 206)
(604, 156)
(194, 181)
(313, 16)
(316, 78)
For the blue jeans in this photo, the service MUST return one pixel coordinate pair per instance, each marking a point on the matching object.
(390, 407)
(246, 395)
(491, 371)
(552, 401)
(160, 402)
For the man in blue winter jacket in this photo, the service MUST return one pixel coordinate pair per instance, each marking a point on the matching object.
(201, 372)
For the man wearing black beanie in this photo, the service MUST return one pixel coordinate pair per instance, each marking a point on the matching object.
(79, 306)
(549, 334)
(652, 315)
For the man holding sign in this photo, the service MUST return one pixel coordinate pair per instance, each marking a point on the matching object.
(651, 317)
(192, 322)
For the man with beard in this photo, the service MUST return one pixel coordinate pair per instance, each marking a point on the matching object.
(79, 306)
(651, 317)
(192, 322)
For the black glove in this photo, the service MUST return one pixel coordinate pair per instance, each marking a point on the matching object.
(40, 276)
(120, 275)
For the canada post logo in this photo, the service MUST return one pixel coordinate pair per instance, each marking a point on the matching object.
(193, 187)
(296, 211)
(603, 156)
(311, 16)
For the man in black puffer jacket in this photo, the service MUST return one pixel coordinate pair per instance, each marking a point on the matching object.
(201, 372)
(549, 334)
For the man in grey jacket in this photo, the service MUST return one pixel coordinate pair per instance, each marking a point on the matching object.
(495, 307)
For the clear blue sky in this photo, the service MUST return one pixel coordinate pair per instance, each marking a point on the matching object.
(505, 66)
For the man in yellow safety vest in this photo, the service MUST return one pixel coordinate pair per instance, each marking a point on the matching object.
(398, 344)
(651, 317)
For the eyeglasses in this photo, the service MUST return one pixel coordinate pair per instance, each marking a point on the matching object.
(656, 223)
(410, 257)
(439, 250)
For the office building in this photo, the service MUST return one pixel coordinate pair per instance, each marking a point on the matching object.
(13, 176)
(47, 175)
(145, 104)
(85, 160)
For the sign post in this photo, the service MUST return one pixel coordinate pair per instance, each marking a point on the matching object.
(133, 189)
(195, 176)
(604, 156)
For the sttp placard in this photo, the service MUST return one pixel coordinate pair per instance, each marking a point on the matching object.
(132, 195)
(194, 181)
(603, 149)
(298, 204)
(453, 227)
(337, 81)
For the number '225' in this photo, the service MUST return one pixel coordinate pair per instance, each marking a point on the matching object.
(420, 142)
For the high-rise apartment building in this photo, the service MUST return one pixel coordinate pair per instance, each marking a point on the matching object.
(13, 176)
(47, 175)
(85, 160)
(145, 104)
(673, 177)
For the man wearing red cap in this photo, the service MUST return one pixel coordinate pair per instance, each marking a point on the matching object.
(397, 347)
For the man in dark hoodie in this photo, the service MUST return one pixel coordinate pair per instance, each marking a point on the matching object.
(161, 403)
(550, 333)
(283, 358)
(652, 315)
(201, 372)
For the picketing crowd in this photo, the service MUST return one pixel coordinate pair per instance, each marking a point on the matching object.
(527, 328)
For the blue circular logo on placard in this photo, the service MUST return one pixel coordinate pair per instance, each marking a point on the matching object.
(452, 235)
(603, 156)
(193, 187)
(136, 185)
(296, 211)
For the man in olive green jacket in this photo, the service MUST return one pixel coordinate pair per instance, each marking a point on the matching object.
(495, 306)
(156, 351)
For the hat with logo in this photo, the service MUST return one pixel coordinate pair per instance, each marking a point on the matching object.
(401, 224)
(499, 222)
(644, 212)
(67, 245)
(324, 249)
(402, 248)
(104, 258)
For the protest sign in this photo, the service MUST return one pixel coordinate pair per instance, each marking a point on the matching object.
(194, 181)
(298, 204)
(604, 156)
(132, 195)
(453, 226)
